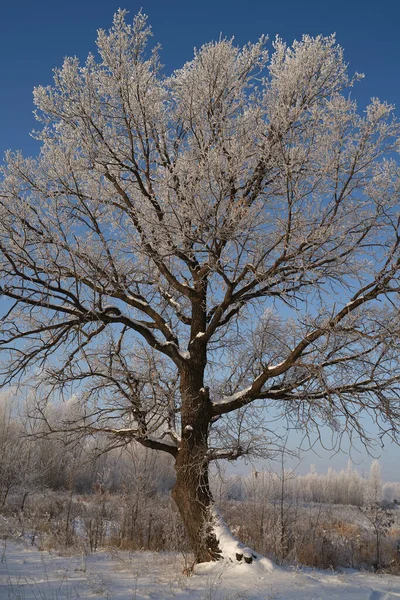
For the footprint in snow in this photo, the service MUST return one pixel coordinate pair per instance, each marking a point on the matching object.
(375, 595)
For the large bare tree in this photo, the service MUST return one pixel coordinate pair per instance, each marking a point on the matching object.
(197, 255)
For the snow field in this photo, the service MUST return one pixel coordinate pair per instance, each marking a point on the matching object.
(29, 574)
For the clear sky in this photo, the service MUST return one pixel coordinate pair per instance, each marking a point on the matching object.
(35, 37)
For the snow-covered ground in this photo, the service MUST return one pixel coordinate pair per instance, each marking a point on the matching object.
(28, 574)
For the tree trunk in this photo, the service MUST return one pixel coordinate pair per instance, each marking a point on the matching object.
(191, 492)
(193, 498)
(209, 535)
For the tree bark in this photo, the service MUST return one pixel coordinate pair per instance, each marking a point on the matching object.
(191, 492)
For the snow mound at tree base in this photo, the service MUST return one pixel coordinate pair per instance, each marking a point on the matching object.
(234, 553)
(258, 569)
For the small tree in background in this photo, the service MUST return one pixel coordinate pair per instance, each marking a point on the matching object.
(377, 514)
(373, 491)
(196, 255)
(10, 449)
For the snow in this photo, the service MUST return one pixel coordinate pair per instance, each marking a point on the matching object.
(29, 574)
(137, 301)
(151, 438)
(228, 399)
(161, 440)
(240, 394)
(174, 435)
(231, 548)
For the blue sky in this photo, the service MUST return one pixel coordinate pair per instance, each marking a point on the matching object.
(35, 36)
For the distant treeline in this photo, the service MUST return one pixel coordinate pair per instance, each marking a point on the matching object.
(31, 461)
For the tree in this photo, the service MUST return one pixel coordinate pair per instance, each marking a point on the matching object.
(22, 468)
(377, 514)
(10, 450)
(373, 492)
(196, 255)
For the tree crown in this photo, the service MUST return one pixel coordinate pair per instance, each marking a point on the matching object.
(239, 217)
